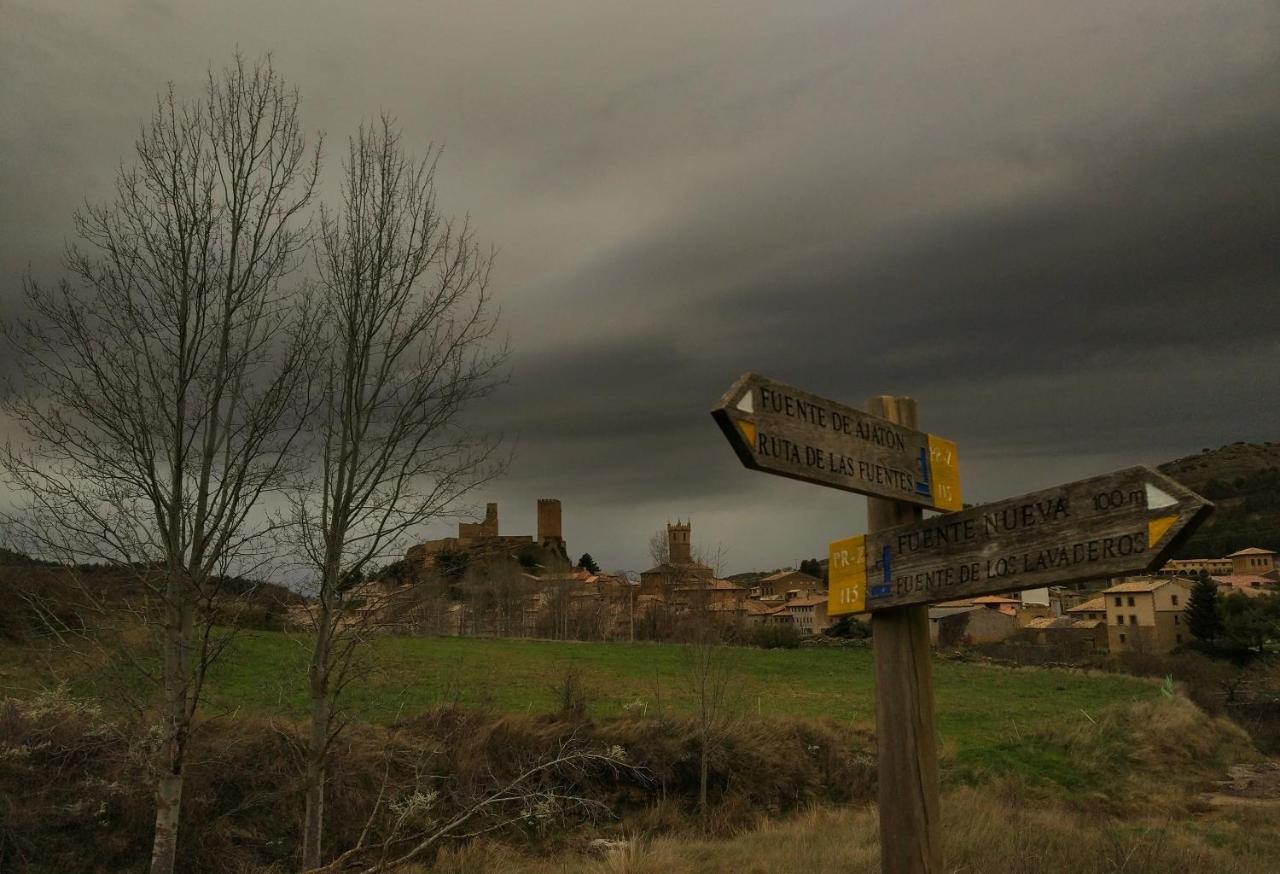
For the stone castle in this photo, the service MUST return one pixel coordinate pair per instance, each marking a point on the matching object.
(485, 538)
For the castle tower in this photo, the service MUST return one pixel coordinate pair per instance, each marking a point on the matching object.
(470, 531)
(549, 530)
(678, 547)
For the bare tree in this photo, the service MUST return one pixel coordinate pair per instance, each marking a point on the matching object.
(555, 604)
(406, 324)
(659, 547)
(714, 559)
(709, 671)
(503, 593)
(160, 383)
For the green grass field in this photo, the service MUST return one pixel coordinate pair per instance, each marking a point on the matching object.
(986, 715)
(976, 704)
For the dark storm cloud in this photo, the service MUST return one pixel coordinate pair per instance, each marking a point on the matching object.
(1055, 226)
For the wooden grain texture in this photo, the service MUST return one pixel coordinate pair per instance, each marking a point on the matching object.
(910, 815)
(783, 430)
(1106, 526)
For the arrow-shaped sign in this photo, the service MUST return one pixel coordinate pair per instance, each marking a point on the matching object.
(1123, 523)
(782, 430)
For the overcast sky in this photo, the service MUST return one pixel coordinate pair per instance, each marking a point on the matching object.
(1056, 225)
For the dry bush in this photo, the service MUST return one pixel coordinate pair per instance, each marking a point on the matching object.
(760, 766)
(75, 794)
(574, 693)
(1167, 736)
(997, 829)
(41, 603)
(73, 790)
(75, 786)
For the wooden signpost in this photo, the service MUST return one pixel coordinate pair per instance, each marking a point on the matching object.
(1121, 523)
(782, 430)
(1107, 526)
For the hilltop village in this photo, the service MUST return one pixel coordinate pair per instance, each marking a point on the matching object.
(483, 582)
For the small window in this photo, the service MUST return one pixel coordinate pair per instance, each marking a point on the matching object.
(1177, 620)
(1117, 600)
(1133, 620)
(1120, 619)
(1131, 600)
(1175, 600)
(1122, 638)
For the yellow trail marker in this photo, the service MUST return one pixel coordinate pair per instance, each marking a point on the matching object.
(944, 466)
(847, 576)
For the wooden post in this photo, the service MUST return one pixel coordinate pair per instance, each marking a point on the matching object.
(910, 828)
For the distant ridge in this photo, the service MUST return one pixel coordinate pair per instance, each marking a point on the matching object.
(1243, 481)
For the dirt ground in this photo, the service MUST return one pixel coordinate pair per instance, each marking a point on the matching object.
(1252, 784)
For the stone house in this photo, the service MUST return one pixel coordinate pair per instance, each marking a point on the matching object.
(1146, 614)
(1254, 561)
(1094, 608)
(787, 581)
(809, 614)
(767, 613)
(960, 625)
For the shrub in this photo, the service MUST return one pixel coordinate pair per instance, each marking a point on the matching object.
(849, 627)
(775, 637)
(574, 693)
(85, 780)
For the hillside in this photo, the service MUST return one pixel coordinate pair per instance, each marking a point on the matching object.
(38, 597)
(1243, 481)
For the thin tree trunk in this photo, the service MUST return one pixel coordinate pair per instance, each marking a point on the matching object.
(702, 779)
(164, 848)
(177, 637)
(313, 828)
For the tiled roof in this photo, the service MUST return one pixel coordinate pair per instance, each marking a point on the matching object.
(1143, 585)
(1064, 622)
(711, 585)
(782, 575)
(1249, 591)
(995, 599)
(1243, 581)
(1253, 550)
(691, 569)
(811, 601)
(1093, 605)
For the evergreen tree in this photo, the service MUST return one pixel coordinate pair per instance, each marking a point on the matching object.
(1204, 616)
(1249, 623)
(587, 563)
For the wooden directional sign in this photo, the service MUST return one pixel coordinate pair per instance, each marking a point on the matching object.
(1122, 523)
(783, 430)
